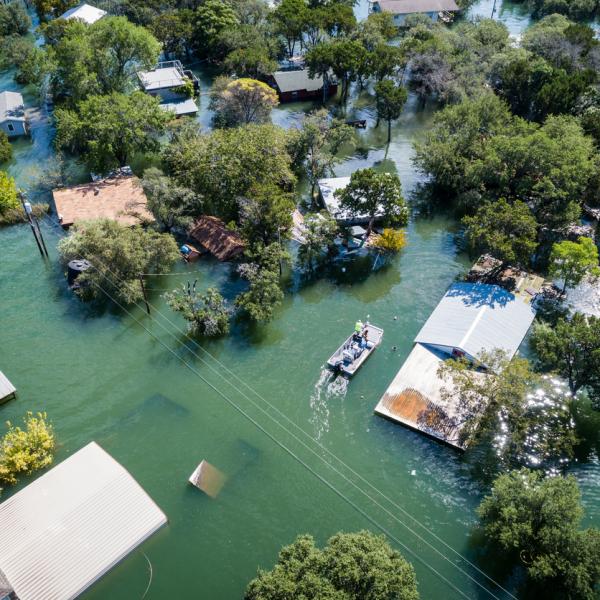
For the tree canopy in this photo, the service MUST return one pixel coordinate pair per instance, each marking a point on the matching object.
(573, 261)
(207, 314)
(351, 565)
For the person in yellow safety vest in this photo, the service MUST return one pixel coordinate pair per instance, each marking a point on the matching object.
(358, 327)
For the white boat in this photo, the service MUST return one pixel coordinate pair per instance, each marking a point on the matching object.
(350, 356)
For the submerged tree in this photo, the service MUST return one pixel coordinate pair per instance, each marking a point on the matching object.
(571, 349)
(390, 99)
(537, 521)
(242, 101)
(8, 194)
(23, 451)
(574, 261)
(320, 231)
(507, 231)
(389, 241)
(207, 314)
(374, 194)
(352, 565)
(118, 255)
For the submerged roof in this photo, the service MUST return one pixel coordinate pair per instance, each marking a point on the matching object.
(328, 187)
(11, 107)
(296, 80)
(214, 235)
(409, 7)
(162, 78)
(119, 198)
(84, 12)
(415, 398)
(71, 525)
(183, 107)
(476, 316)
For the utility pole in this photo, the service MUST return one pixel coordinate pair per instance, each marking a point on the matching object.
(36, 232)
(493, 9)
(144, 293)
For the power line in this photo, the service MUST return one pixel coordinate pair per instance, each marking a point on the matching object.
(340, 461)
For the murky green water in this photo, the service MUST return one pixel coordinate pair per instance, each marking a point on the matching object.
(102, 376)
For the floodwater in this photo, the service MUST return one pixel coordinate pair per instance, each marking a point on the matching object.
(257, 404)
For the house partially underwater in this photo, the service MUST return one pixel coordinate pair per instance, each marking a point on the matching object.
(470, 319)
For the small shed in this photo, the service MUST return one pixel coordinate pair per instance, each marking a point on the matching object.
(119, 198)
(84, 12)
(327, 189)
(297, 84)
(401, 9)
(214, 236)
(12, 114)
(70, 526)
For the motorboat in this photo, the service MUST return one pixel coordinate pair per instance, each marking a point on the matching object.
(351, 355)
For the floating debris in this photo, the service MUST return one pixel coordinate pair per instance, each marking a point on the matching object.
(208, 479)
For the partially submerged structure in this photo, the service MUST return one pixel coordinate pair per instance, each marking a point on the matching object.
(84, 12)
(119, 198)
(12, 114)
(400, 9)
(70, 526)
(470, 319)
(173, 85)
(297, 84)
(215, 237)
(327, 189)
(7, 391)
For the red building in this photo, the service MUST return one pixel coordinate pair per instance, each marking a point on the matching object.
(298, 85)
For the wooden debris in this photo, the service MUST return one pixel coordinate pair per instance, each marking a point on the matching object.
(208, 479)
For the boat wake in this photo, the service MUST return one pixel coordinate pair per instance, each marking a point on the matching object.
(328, 386)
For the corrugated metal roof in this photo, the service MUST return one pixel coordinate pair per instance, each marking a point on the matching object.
(294, 81)
(408, 7)
(11, 107)
(84, 12)
(71, 525)
(183, 107)
(476, 316)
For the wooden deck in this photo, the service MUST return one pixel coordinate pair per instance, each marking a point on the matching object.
(7, 389)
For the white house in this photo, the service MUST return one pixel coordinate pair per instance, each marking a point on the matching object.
(84, 12)
(167, 82)
(12, 114)
(434, 9)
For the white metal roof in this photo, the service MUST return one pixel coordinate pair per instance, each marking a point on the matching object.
(183, 107)
(476, 316)
(408, 7)
(71, 525)
(11, 107)
(84, 12)
(162, 78)
(296, 80)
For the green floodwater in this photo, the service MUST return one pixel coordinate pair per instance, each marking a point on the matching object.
(101, 376)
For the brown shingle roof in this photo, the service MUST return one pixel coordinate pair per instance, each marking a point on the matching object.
(213, 235)
(120, 198)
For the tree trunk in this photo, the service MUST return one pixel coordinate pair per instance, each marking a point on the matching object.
(368, 233)
(389, 131)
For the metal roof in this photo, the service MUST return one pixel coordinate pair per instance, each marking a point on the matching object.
(11, 107)
(71, 525)
(84, 12)
(294, 81)
(183, 107)
(476, 316)
(162, 78)
(409, 7)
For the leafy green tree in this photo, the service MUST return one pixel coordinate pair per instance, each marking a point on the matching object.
(339, 19)
(385, 61)
(265, 215)
(23, 451)
(320, 231)
(108, 130)
(207, 314)
(389, 241)
(225, 164)
(574, 261)
(253, 62)
(520, 412)
(317, 146)
(174, 30)
(211, 18)
(374, 194)
(571, 349)
(52, 8)
(390, 100)
(264, 293)
(172, 205)
(289, 18)
(8, 193)
(118, 256)
(537, 521)
(242, 101)
(5, 149)
(352, 565)
(507, 231)
(14, 19)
